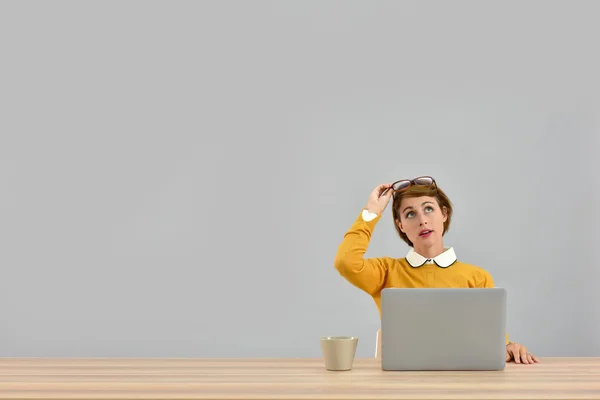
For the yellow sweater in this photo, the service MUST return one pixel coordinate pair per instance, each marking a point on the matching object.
(374, 274)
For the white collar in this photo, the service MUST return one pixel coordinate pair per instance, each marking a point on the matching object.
(444, 260)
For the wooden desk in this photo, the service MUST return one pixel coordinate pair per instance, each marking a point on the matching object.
(553, 378)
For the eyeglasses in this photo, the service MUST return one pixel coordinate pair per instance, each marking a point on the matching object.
(404, 184)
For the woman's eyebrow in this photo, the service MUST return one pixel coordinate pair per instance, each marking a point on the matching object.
(425, 202)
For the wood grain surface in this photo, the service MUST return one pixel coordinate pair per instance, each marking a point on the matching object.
(181, 378)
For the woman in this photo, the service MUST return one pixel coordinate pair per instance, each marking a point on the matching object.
(422, 213)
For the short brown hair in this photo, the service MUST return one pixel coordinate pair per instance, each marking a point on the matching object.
(418, 191)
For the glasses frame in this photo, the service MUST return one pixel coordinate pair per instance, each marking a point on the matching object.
(411, 182)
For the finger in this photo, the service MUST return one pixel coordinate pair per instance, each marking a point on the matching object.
(523, 351)
(516, 355)
(379, 189)
(534, 358)
(385, 190)
(529, 358)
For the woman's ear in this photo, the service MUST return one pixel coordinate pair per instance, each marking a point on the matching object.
(400, 226)
(444, 214)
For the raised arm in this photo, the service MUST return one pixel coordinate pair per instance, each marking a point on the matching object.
(368, 274)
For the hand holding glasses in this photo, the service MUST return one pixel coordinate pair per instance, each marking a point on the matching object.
(381, 195)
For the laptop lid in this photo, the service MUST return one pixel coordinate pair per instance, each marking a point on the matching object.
(443, 328)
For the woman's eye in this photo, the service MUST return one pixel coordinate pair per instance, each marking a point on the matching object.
(410, 214)
(428, 209)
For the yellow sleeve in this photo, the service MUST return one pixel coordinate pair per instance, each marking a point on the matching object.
(367, 274)
(489, 283)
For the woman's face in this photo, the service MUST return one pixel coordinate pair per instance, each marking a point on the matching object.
(422, 220)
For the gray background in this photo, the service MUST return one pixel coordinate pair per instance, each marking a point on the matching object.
(177, 176)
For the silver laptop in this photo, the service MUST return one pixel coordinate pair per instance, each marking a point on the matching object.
(443, 329)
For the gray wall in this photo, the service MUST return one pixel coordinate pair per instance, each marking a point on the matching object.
(177, 176)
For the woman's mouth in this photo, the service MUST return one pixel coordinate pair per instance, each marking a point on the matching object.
(425, 233)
